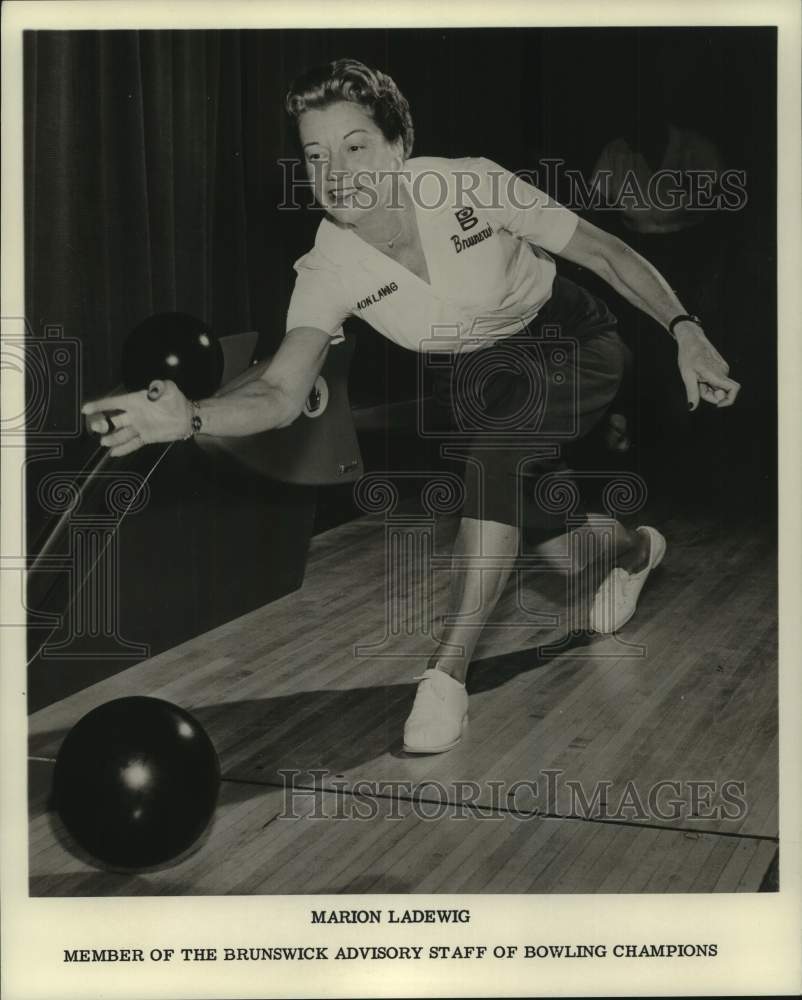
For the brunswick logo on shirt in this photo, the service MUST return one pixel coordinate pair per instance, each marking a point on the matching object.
(466, 217)
(377, 296)
(461, 243)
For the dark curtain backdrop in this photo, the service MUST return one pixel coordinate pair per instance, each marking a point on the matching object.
(136, 185)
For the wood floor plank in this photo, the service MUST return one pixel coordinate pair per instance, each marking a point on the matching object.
(717, 861)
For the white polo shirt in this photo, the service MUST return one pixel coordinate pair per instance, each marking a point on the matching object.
(485, 234)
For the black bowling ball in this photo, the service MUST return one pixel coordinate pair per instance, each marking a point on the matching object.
(173, 346)
(136, 782)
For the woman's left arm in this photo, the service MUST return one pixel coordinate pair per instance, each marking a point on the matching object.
(703, 370)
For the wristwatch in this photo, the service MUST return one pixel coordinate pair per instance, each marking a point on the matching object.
(683, 319)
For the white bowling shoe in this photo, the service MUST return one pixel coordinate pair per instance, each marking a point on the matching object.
(617, 597)
(439, 714)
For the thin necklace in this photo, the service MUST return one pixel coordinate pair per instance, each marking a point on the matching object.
(388, 243)
(391, 242)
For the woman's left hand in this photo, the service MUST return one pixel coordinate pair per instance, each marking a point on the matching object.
(703, 370)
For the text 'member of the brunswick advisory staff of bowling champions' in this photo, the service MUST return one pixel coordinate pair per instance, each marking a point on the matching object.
(460, 246)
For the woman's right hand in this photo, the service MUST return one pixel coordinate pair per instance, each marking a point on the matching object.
(162, 413)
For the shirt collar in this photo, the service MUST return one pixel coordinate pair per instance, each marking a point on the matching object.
(339, 244)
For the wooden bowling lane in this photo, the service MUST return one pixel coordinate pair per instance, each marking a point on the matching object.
(687, 693)
(263, 841)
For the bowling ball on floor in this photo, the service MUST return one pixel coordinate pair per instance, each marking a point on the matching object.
(173, 346)
(136, 782)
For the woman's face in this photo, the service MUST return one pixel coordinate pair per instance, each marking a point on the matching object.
(348, 160)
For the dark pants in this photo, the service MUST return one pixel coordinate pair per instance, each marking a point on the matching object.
(523, 402)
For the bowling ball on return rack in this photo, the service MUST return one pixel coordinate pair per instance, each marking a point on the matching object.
(173, 346)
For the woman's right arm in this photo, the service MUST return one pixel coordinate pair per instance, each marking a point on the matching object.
(268, 396)
(275, 395)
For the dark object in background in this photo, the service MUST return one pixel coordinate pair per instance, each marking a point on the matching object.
(173, 346)
(136, 782)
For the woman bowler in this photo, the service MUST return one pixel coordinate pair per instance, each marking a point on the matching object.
(449, 256)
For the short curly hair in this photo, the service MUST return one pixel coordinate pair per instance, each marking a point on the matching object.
(351, 80)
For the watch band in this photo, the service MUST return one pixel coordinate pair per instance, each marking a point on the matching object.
(684, 318)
